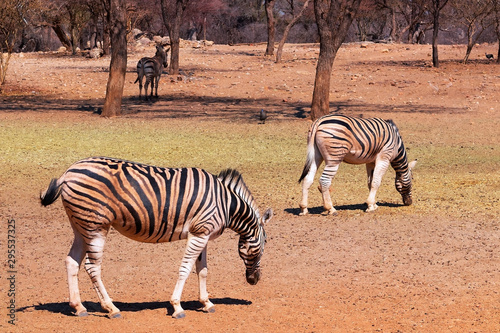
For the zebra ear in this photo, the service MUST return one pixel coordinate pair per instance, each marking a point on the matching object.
(267, 216)
(412, 164)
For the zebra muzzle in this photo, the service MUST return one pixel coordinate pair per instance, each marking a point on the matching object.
(253, 277)
(407, 200)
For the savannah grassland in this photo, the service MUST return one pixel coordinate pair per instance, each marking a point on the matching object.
(432, 266)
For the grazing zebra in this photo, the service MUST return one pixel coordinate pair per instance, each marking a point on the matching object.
(152, 69)
(372, 141)
(152, 204)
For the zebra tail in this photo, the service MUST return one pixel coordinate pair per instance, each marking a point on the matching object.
(310, 150)
(52, 192)
(136, 80)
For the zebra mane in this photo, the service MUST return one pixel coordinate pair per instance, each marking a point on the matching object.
(393, 124)
(233, 180)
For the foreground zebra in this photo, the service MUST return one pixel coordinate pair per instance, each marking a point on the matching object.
(372, 141)
(152, 204)
(152, 69)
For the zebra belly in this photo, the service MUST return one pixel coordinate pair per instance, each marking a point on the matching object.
(158, 237)
(356, 159)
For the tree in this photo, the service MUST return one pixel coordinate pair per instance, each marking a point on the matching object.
(118, 65)
(172, 18)
(271, 26)
(496, 12)
(13, 18)
(475, 15)
(333, 18)
(295, 18)
(436, 7)
(78, 17)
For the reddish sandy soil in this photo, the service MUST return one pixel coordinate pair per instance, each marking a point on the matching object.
(383, 272)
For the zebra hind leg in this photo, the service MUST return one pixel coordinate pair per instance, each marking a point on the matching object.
(73, 262)
(93, 267)
(307, 182)
(325, 181)
(146, 85)
(202, 271)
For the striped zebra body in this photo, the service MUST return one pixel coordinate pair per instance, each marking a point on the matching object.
(153, 204)
(371, 141)
(151, 68)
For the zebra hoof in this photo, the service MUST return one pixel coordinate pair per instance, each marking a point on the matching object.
(210, 310)
(332, 212)
(179, 315)
(82, 314)
(115, 316)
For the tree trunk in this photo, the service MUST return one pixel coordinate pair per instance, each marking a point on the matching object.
(435, 56)
(118, 66)
(438, 5)
(269, 4)
(172, 18)
(496, 9)
(394, 25)
(287, 30)
(61, 35)
(321, 93)
(333, 19)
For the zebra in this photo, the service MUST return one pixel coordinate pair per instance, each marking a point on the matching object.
(152, 69)
(154, 204)
(371, 141)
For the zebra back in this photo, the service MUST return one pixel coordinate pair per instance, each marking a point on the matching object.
(143, 202)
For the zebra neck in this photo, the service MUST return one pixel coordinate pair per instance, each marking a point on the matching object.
(400, 162)
(243, 219)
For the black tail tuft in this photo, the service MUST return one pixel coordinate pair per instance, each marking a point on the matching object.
(307, 166)
(51, 194)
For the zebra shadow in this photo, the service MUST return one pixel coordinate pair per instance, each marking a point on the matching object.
(94, 308)
(319, 209)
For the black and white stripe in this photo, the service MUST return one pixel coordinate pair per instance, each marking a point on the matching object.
(152, 204)
(152, 69)
(371, 141)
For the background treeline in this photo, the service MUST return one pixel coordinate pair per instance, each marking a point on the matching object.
(42, 25)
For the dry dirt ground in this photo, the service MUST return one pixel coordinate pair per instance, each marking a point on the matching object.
(392, 271)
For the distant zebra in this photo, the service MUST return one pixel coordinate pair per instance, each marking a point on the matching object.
(152, 204)
(372, 141)
(152, 69)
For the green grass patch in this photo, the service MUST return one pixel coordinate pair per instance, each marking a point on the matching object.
(454, 180)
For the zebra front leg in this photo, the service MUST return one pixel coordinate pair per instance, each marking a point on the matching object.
(376, 179)
(194, 247)
(369, 174)
(73, 262)
(93, 267)
(202, 271)
(325, 181)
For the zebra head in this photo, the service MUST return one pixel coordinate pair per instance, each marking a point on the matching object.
(162, 54)
(404, 183)
(251, 248)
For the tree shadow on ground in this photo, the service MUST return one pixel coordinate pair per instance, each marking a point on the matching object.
(209, 107)
(94, 308)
